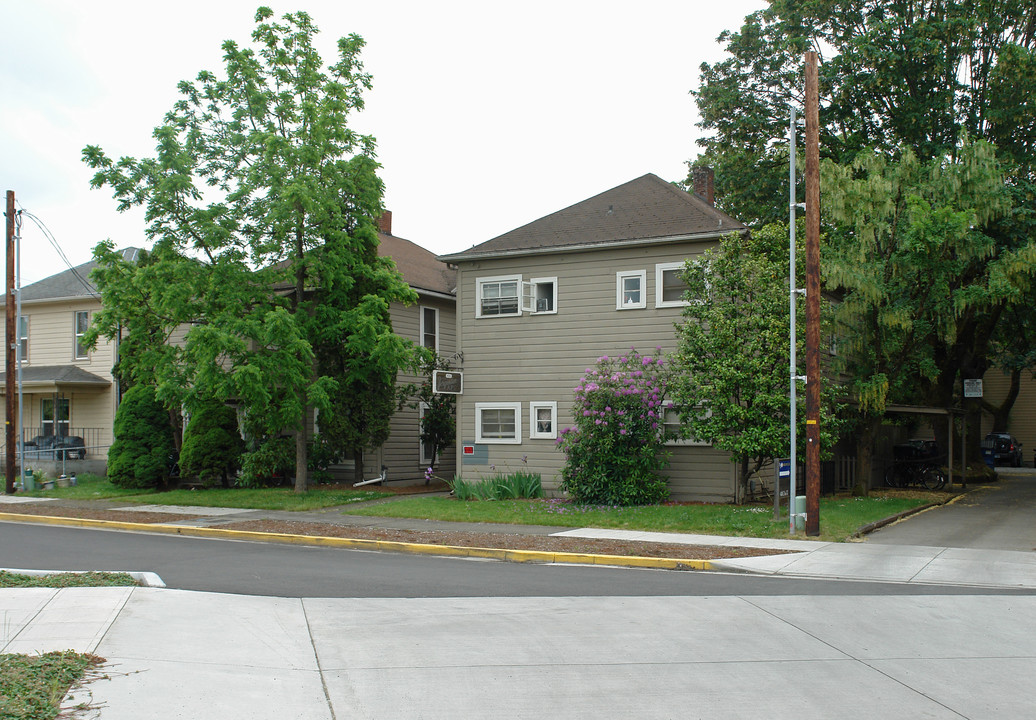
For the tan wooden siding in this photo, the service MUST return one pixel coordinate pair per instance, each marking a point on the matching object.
(541, 357)
(52, 337)
(402, 451)
(52, 342)
(1022, 424)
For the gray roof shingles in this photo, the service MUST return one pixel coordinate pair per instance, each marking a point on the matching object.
(640, 210)
(59, 374)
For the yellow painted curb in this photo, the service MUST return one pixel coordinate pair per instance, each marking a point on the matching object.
(522, 556)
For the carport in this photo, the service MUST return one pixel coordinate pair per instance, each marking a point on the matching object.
(951, 414)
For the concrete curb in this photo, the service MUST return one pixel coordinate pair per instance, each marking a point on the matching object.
(884, 522)
(522, 556)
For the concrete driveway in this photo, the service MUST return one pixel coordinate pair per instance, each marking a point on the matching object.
(993, 516)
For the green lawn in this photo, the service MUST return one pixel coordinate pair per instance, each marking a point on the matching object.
(95, 487)
(32, 686)
(839, 517)
(62, 580)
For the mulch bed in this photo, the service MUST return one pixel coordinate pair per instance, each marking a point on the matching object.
(545, 543)
(113, 515)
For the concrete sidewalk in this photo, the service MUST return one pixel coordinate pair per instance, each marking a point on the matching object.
(173, 653)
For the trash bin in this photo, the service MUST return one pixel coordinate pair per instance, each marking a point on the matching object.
(28, 481)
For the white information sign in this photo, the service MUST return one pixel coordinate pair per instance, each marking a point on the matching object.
(973, 388)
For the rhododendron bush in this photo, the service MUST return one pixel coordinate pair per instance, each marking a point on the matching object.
(614, 454)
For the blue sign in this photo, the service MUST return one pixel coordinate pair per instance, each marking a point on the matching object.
(784, 468)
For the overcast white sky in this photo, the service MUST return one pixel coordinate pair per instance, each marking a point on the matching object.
(487, 115)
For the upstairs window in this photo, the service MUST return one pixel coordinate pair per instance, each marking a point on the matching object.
(629, 290)
(82, 322)
(23, 337)
(498, 296)
(669, 286)
(540, 295)
(430, 328)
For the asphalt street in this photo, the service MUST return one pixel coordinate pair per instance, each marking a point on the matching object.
(231, 566)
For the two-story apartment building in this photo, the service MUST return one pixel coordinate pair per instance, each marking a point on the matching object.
(539, 304)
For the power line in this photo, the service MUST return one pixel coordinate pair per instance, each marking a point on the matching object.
(61, 253)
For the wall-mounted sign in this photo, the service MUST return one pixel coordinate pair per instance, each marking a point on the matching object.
(973, 387)
(447, 382)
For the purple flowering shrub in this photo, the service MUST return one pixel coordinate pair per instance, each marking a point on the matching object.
(614, 454)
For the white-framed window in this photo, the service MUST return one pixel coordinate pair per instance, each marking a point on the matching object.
(498, 423)
(630, 290)
(426, 458)
(80, 324)
(55, 416)
(430, 328)
(498, 296)
(23, 337)
(669, 286)
(672, 424)
(540, 296)
(543, 420)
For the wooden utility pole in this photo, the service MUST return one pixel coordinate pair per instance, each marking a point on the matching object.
(812, 298)
(11, 466)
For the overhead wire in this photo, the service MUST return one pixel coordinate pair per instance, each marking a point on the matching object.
(61, 253)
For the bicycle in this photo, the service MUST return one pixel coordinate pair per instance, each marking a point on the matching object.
(904, 473)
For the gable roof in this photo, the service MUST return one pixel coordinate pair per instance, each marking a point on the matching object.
(72, 283)
(420, 268)
(644, 210)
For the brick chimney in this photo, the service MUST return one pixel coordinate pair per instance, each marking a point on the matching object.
(703, 177)
(385, 223)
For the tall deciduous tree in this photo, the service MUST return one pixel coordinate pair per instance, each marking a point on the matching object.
(922, 275)
(730, 371)
(269, 199)
(895, 75)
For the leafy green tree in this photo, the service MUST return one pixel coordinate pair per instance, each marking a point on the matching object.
(923, 278)
(265, 194)
(212, 443)
(731, 367)
(894, 76)
(893, 73)
(143, 446)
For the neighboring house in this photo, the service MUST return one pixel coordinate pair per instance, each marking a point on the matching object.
(538, 305)
(66, 389)
(431, 322)
(69, 391)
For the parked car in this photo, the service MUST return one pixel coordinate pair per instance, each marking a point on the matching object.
(1006, 448)
(71, 447)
